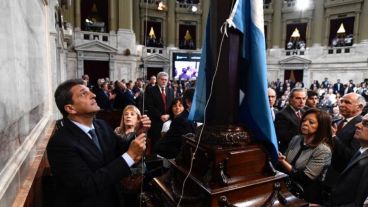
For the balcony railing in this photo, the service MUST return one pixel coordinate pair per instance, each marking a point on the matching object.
(289, 3)
(340, 50)
(103, 37)
(294, 52)
(154, 50)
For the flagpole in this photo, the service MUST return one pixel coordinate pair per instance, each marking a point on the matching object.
(224, 104)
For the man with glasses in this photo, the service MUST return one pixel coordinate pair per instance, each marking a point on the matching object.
(351, 188)
(344, 145)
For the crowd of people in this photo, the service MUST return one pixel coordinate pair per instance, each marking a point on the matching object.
(322, 137)
(95, 165)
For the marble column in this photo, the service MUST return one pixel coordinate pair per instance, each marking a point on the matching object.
(125, 36)
(77, 10)
(356, 26)
(318, 23)
(112, 15)
(136, 20)
(205, 10)
(171, 24)
(363, 25)
(70, 15)
(277, 24)
(125, 14)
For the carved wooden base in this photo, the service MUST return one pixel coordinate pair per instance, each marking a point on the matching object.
(235, 172)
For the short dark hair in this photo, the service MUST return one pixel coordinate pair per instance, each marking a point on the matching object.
(311, 93)
(63, 95)
(323, 133)
(175, 101)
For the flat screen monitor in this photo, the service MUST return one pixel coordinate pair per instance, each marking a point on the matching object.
(185, 66)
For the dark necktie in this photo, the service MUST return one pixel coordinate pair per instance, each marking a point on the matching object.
(341, 125)
(298, 114)
(163, 96)
(93, 134)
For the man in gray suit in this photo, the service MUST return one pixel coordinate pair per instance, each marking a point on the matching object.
(351, 188)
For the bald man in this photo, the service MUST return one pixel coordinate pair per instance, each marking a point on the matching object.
(344, 145)
(271, 100)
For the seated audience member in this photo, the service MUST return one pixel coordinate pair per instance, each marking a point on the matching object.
(170, 145)
(177, 107)
(287, 120)
(312, 100)
(309, 154)
(351, 188)
(87, 159)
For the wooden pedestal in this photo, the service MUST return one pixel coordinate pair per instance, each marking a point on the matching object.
(235, 171)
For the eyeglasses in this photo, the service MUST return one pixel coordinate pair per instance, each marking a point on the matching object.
(365, 122)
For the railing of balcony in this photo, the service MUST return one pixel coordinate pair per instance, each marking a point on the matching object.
(297, 52)
(340, 50)
(289, 3)
(154, 50)
(90, 36)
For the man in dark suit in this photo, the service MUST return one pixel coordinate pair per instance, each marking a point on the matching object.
(129, 97)
(170, 145)
(103, 97)
(338, 88)
(344, 146)
(287, 120)
(351, 189)
(325, 83)
(158, 100)
(86, 158)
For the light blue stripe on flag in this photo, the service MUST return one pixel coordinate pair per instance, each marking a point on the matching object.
(255, 113)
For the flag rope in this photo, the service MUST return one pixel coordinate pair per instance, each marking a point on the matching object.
(223, 31)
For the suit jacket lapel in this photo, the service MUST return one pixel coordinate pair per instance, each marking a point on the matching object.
(84, 139)
(293, 116)
(352, 163)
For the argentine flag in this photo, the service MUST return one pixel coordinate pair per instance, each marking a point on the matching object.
(255, 113)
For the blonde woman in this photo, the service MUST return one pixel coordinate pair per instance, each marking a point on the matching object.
(133, 125)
